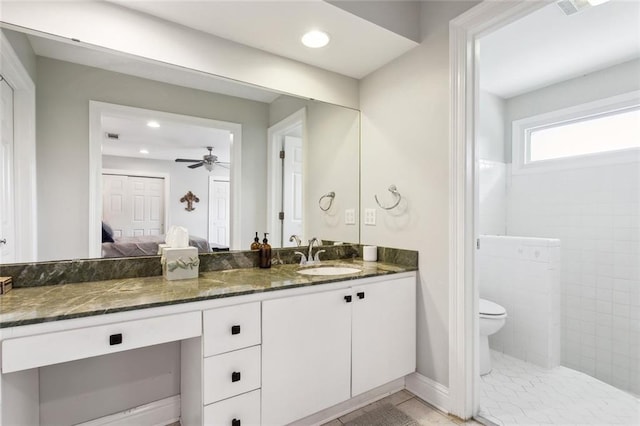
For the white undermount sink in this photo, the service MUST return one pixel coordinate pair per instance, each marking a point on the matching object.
(329, 270)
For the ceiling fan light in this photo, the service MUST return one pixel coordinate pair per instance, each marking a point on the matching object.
(208, 166)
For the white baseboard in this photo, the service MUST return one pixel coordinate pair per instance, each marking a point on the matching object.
(428, 390)
(352, 404)
(157, 413)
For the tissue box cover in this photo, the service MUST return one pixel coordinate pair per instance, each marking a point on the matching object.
(180, 263)
(5, 284)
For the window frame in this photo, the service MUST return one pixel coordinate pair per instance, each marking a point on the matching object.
(521, 130)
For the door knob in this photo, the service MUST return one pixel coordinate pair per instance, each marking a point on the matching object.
(3, 241)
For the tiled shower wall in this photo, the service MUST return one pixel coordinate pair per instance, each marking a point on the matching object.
(595, 212)
(523, 275)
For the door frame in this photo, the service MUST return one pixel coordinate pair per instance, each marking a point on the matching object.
(464, 32)
(98, 109)
(156, 175)
(24, 153)
(274, 172)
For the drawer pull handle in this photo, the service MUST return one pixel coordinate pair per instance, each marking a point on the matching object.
(235, 329)
(115, 339)
(347, 299)
(235, 422)
(360, 295)
(235, 376)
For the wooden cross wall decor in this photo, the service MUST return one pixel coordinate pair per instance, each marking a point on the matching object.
(189, 198)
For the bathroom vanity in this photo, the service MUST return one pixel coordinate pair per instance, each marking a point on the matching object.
(257, 346)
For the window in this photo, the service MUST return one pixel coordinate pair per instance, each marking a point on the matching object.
(590, 135)
(601, 132)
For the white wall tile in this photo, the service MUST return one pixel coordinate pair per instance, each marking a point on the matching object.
(595, 212)
(522, 274)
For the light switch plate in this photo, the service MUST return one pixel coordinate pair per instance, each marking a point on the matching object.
(350, 217)
(369, 216)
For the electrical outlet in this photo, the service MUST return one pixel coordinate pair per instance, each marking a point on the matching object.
(370, 217)
(349, 217)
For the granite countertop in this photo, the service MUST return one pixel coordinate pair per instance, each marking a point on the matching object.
(32, 305)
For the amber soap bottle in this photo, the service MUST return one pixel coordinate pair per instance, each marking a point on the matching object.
(265, 253)
(255, 245)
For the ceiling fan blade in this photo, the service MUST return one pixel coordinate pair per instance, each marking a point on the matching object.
(185, 160)
(194, 166)
(223, 165)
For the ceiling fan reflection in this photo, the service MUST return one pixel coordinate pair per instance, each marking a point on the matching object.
(208, 161)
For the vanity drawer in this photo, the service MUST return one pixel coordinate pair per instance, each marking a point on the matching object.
(241, 410)
(52, 348)
(231, 328)
(231, 374)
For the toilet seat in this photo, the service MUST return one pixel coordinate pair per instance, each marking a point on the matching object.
(491, 310)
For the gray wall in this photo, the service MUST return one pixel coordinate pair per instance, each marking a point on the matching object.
(78, 391)
(62, 110)
(405, 141)
(491, 141)
(332, 163)
(601, 84)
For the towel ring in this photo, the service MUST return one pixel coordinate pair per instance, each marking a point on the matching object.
(331, 196)
(394, 191)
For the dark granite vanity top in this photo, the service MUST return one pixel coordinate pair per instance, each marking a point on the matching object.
(31, 305)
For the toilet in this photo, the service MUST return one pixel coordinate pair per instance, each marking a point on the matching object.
(492, 318)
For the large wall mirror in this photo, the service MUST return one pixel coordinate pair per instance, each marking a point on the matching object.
(108, 131)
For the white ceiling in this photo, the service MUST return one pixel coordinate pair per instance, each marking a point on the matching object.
(357, 46)
(173, 139)
(548, 47)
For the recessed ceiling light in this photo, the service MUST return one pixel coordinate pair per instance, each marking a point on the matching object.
(153, 124)
(315, 39)
(144, 151)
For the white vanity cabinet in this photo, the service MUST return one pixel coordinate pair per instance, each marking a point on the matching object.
(323, 348)
(260, 359)
(306, 357)
(225, 389)
(383, 333)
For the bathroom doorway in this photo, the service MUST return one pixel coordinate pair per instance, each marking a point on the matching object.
(467, 32)
(557, 219)
(285, 183)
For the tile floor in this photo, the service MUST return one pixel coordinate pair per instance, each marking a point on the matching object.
(517, 392)
(411, 405)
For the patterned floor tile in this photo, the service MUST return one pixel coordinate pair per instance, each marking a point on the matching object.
(517, 392)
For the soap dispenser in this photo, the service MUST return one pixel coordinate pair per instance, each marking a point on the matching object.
(265, 253)
(255, 245)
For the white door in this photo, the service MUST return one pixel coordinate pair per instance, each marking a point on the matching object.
(384, 333)
(132, 205)
(306, 355)
(7, 204)
(219, 223)
(292, 189)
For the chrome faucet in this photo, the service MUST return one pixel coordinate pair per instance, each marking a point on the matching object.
(303, 258)
(309, 259)
(310, 256)
(295, 238)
